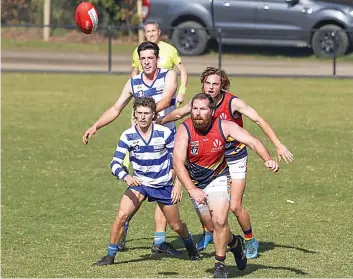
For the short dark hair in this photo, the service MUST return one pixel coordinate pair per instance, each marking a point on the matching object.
(204, 96)
(148, 45)
(148, 102)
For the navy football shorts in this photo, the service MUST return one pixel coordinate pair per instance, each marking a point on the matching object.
(162, 195)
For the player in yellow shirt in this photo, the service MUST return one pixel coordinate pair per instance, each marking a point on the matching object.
(168, 59)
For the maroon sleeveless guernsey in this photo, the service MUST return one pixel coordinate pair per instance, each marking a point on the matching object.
(234, 149)
(205, 154)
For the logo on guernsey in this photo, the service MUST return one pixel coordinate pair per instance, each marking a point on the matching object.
(139, 93)
(217, 143)
(136, 148)
(194, 150)
(223, 116)
(194, 143)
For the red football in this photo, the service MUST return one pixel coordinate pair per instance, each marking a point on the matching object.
(86, 17)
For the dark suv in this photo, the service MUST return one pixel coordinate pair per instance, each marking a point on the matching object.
(326, 25)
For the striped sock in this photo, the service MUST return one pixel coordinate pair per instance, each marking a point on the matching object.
(233, 244)
(220, 259)
(159, 238)
(112, 249)
(248, 234)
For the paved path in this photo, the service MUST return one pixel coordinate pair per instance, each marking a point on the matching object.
(51, 61)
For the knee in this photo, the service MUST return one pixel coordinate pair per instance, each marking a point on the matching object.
(236, 207)
(177, 226)
(219, 222)
(121, 218)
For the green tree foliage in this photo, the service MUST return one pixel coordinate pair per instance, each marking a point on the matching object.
(15, 11)
(111, 12)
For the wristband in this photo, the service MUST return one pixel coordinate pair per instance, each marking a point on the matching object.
(182, 89)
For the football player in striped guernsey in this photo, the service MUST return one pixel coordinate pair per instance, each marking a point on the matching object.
(161, 85)
(151, 149)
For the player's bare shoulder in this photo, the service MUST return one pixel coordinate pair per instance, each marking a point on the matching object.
(171, 74)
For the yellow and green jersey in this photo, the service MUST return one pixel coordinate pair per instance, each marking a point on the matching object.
(168, 57)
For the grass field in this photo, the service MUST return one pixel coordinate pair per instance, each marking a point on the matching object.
(59, 198)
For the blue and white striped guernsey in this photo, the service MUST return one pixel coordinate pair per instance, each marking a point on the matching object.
(155, 90)
(151, 161)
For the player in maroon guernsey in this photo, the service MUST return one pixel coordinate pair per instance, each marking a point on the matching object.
(216, 83)
(200, 164)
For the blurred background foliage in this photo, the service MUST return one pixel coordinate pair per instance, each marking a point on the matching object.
(111, 12)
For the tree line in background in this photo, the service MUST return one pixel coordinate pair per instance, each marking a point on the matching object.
(111, 12)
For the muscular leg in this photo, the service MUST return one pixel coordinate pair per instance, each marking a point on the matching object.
(236, 203)
(171, 213)
(236, 206)
(221, 234)
(130, 202)
(207, 225)
(160, 222)
(205, 219)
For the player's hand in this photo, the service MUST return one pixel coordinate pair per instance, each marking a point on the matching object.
(198, 195)
(132, 181)
(180, 99)
(272, 165)
(283, 152)
(177, 192)
(89, 133)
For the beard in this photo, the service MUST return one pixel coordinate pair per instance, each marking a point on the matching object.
(201, 124)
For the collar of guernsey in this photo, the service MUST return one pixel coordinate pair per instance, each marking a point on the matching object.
(168, 57)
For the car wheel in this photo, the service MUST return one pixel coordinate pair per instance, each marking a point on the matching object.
(190, 38)
(330, 40)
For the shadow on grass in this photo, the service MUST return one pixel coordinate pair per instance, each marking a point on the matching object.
(155, 257)
(168, 274)
(250, 268)
(267, 246)
(178, 244)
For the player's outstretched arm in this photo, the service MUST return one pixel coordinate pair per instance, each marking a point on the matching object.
(282, 151)
(231, 129)
(111, 114)
(177, 114)
(179, 159)
(169, 91)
